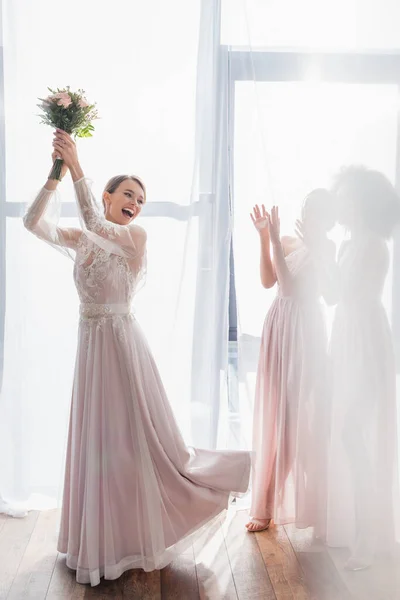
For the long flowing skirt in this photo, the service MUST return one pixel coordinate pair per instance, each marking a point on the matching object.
(290, 416)
(363, 465)
(134, 493)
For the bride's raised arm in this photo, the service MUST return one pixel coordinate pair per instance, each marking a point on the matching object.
(130, 238)
(38, 221)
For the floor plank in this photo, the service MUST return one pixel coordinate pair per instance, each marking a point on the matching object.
(139, 585)
(284, 569)
(36, 568)
(321, 576)
(225, 563)
(63, 584)
(179, 579)
(214, 574)
(251, 578)
(14, 539)
(380, 582)
(106, 590)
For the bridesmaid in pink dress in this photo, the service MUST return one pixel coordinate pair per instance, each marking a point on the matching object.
(134, 493)
(291, 405)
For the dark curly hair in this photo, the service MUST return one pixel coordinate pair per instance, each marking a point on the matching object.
(376, 201)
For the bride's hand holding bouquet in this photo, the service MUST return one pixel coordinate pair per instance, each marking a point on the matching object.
(65, 150)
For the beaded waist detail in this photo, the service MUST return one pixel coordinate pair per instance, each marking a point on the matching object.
(91, 310)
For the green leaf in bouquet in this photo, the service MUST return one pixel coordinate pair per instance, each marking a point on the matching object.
(74, 119)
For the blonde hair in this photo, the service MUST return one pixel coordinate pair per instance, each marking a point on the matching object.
(114, 183)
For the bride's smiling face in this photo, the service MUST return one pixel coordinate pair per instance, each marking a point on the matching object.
(124, 204)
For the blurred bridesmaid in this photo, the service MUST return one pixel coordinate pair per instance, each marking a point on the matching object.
(291, 403)
(363, 466)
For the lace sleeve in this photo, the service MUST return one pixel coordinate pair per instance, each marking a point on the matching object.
(128, 241)
(38, 221)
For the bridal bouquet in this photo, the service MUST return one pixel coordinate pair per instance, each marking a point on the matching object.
(69, 111)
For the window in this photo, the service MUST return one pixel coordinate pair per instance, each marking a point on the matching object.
(297, 117)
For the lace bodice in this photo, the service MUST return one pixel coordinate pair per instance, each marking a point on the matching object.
(110, 259)
(101, 277)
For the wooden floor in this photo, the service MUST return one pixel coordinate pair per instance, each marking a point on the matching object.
(227, 563)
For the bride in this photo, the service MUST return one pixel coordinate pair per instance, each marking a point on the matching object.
(133, 491)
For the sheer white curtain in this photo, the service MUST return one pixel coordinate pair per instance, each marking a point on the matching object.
(155, 82)
(313, 86)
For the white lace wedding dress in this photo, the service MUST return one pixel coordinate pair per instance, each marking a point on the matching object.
(133, 491)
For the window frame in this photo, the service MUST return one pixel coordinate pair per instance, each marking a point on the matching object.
(268, 66)
(334, 67)
(3, 211)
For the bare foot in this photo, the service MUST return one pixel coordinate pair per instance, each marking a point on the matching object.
(255, 525)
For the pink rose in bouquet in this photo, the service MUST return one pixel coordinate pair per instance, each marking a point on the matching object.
(69, 111)
(83, 103)
(63, 99)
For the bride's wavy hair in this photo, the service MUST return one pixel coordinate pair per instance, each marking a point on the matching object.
(320, 202)
(114, 183)
(376, 202)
